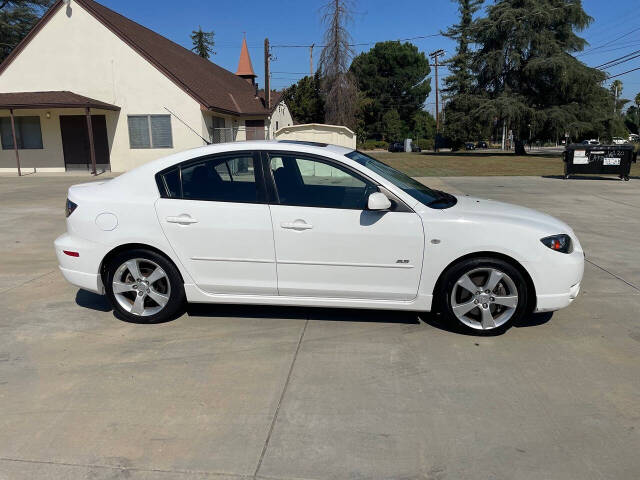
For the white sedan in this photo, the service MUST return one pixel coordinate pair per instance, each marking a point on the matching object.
(296, 223)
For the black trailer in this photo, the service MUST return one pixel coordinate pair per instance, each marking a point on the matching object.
(599, 160)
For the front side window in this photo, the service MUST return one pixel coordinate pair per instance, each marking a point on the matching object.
(311, 182)
(419, 191)
(150, 131)
(28, 133)
(228, 179)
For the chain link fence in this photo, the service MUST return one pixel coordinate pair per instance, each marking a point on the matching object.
(237, 134)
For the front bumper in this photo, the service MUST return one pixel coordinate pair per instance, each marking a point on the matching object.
(82, 271)
(557, 278)
(553, 302)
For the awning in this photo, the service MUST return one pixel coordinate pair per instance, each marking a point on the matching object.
(57, 99)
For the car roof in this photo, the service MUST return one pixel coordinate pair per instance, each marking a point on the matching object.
(288, 145)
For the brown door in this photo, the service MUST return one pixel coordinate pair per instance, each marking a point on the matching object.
(255, 129)
(75, 141)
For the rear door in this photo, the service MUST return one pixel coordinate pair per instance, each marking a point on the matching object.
(214, 214)
(328, 244)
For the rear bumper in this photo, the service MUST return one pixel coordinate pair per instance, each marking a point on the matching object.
(84, 270)
(86, 281)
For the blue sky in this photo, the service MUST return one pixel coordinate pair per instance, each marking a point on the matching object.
(297, 22)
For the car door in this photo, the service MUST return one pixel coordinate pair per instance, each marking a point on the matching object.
(215, 216)
(328, 244)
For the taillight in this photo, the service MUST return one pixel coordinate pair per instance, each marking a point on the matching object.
(69, 208)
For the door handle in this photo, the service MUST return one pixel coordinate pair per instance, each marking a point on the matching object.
(182, 220)
(297, 225)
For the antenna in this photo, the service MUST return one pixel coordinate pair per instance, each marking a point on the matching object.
(186, 125)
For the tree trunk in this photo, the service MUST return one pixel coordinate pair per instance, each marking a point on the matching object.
(520, 147)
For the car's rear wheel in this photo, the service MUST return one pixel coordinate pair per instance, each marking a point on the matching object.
(144, 287)
(484, 295)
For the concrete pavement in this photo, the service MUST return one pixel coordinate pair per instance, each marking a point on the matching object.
(231, 392)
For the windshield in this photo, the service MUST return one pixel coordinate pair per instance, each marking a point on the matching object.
(422, 193)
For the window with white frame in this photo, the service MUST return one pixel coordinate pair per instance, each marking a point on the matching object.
(150, 131)
(28, 133)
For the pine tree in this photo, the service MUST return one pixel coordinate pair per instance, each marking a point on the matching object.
(17, 17)
(203, 43)
(305, 100)
(528, 76)
(460, 86)
(391, 76)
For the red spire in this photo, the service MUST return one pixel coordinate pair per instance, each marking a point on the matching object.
(245, 69)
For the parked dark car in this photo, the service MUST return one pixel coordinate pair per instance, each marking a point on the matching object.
(396, 147)
(415, 148)
(482, 144)
(469, 146)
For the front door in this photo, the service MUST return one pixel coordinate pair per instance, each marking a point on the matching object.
(75, 141)
(218, 223)
(329, 245)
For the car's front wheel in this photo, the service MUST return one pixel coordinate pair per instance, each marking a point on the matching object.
(484, 295)
(144, 287)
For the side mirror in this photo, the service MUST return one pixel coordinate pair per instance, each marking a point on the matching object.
(378, 201)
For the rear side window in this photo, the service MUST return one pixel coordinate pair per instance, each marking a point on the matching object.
(171, 183)
(229, 179)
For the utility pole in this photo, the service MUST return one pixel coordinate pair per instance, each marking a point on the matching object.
(267, 74)
(311, 59)
(435, 56)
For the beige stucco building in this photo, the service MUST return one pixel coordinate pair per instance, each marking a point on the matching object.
(146, 96)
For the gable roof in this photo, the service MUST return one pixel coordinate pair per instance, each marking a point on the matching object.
(277, 96)
(56, 99)
(209, 84)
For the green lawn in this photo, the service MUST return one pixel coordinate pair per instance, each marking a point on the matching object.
(476, 164)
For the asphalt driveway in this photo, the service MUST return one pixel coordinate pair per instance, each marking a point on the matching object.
(289, 393)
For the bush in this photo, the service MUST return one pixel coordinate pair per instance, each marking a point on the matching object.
(374, 145)
(424, 143)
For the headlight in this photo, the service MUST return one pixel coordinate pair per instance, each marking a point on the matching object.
(69, 208)
(559, 243)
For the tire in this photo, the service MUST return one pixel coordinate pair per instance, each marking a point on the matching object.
(153, 295)
(500, 299)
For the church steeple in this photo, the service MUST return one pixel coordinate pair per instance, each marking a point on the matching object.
(245, 69)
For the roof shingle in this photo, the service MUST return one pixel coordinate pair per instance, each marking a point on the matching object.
(56, 99)
(211, 85)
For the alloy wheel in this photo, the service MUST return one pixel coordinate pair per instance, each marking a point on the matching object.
(141, 287)
(484, 298)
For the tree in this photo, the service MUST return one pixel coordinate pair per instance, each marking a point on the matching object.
(424, 125)
(203, 43)
(527, 74)
(305, 100)
(460, 86)
(392, 126)
(338, 85)
(391, 76)
(17, 17)
(616, 91)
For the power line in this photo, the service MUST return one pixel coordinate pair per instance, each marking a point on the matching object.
(609, 43)
(623, 73)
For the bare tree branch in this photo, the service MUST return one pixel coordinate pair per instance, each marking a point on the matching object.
(339, 87)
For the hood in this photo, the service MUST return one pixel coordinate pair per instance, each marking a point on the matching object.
(477, 209)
